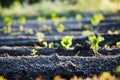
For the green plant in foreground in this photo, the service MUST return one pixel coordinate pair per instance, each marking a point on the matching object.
(118, 71)
(66, 41)
(34, 52)
(94, 42)
(60, 28)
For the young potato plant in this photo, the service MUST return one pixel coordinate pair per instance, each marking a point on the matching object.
(94, 42)
(34, 52)
(8, 23)
(60, 28)
(96, 19)
(66, 41)
(22, 21)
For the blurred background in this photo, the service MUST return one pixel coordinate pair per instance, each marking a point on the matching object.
(33, 8)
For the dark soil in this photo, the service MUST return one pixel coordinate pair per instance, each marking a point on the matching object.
(17, 64)
(28, 68)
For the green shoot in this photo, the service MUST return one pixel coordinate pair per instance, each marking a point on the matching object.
(96, 19)
(66, 41)
(41, 19)
(34, 52)
(118, 44)
(21, 21)
(49, 45)
(118, 71)
(60, 28)
(94, 42)
(8, 23)
(40, 36)
(78, 17)
(45, 44)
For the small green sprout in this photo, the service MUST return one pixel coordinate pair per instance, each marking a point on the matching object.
(53, 15)
(96, 19)
(78, 17)
(8, 23)
(21, 21)
(45, 44)
(118, 44)
(46, 28)
(41, 19)
(40, 36)
(50, 45)
(66, 41)
(94, 42)
(60, 28)
(34, 52)
(118, 70)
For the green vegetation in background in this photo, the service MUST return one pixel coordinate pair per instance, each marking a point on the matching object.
(59, 7)
(7, 26)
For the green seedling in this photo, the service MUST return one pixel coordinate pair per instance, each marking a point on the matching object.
(50, 45)
(45, 44)
(53, 15)
(57, 44)
(66, 41)
(118, 71)
(8, 23)
(118, 44)
(60, 28)
(29, 31)
(94, 42)
(63, 18)
(34, 52)
(96, 19)
(41, 19)
(40, 36)
(46, 28)
(78, 17)
(21, 21)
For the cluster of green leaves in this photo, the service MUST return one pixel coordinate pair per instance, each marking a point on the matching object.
(49, 45)
(8, 23)
(60, 28)
(96, 19)
(66, 41)
(34, 52)
(94, 42)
